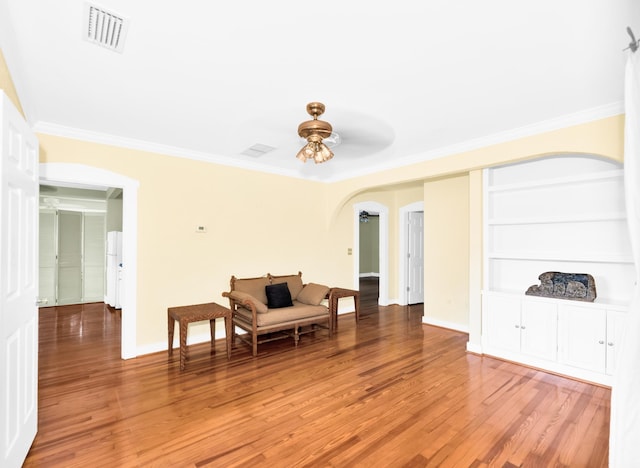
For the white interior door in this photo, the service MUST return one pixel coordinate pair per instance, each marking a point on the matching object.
(18, 286)
(69, 257)
(415, 257)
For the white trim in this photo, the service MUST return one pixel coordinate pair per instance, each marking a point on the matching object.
(556, 123)
(175, 151)
(383, 212)
(404, 247)
(445, 324)
(474, 348)
(569, 120)
(79, 175)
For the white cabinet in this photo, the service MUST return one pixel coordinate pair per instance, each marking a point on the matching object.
(516, 327)
(568, 337)
(539, 329)
(615, 327)
(589, 337)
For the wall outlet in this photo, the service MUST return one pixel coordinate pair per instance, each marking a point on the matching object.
(349, 251)
(201, 229)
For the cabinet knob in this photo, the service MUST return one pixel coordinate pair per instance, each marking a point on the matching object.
(610, 343)
(517, 326)
(601, 342)
(523, 327)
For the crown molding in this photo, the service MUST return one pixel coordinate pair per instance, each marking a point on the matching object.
(48, 128)
(557, 123)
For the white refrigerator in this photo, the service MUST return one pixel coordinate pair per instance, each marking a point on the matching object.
(114, 268)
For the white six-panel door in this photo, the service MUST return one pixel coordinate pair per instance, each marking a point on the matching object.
(415, 253)
(19, 286)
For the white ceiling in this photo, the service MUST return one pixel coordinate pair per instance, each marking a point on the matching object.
(402, 81)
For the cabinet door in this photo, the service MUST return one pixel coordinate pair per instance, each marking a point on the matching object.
(582, 335)
(539, 329)
(615, 326)
(502, 325)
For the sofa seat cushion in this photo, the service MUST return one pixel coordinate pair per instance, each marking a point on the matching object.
(299, 311)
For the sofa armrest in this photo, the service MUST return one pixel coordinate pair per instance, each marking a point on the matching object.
(246, 300)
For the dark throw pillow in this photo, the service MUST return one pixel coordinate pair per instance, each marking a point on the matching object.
(278, 296)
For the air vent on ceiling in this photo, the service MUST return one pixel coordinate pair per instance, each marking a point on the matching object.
(104, 28)
(257, 150)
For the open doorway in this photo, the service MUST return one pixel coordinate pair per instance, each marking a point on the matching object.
(87, 177)
(369, 257)
(72, 239)
(382, 213)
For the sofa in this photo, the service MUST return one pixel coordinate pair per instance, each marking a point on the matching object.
(273, 307)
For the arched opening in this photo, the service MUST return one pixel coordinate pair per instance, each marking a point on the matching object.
(82, 176)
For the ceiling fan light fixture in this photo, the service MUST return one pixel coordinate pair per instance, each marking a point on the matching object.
(314, 131)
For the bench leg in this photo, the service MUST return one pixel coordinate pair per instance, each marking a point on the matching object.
(255, 344)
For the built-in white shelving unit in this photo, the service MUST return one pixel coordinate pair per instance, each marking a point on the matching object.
(558, 213)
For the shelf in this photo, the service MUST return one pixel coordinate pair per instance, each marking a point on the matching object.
(599, 303)
(561, 257)
(580, 179)
(617, 216)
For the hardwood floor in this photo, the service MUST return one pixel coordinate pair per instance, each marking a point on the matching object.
(388, 392)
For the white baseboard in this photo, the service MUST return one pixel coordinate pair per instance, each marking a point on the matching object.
(474, 348)
(192, 338)
(444, 324)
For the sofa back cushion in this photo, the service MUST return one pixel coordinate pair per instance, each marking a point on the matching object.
(253, 286)
(294, 283)
(313, 294)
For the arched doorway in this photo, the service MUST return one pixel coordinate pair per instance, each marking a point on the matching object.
(82, 176)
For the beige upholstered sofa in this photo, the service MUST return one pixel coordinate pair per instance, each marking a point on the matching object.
(273, 307)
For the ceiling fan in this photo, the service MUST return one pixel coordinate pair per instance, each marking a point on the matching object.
(314, 131)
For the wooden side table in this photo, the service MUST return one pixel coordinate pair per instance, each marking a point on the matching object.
(338, 293)
(184, 315)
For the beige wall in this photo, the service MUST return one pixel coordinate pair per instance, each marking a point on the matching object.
(446, 252)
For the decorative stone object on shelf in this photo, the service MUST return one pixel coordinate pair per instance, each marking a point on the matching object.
(574, 286)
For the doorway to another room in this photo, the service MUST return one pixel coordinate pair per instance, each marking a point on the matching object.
(369, 258)
(371, 247)
(72, 237)
(89, 177)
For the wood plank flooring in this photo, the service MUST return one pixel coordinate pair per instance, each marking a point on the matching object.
(389, 392)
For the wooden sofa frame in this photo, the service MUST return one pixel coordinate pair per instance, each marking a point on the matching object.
(265, 333)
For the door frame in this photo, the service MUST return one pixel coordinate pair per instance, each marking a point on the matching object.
(383, 247)
(83, 176)
(403, 247)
